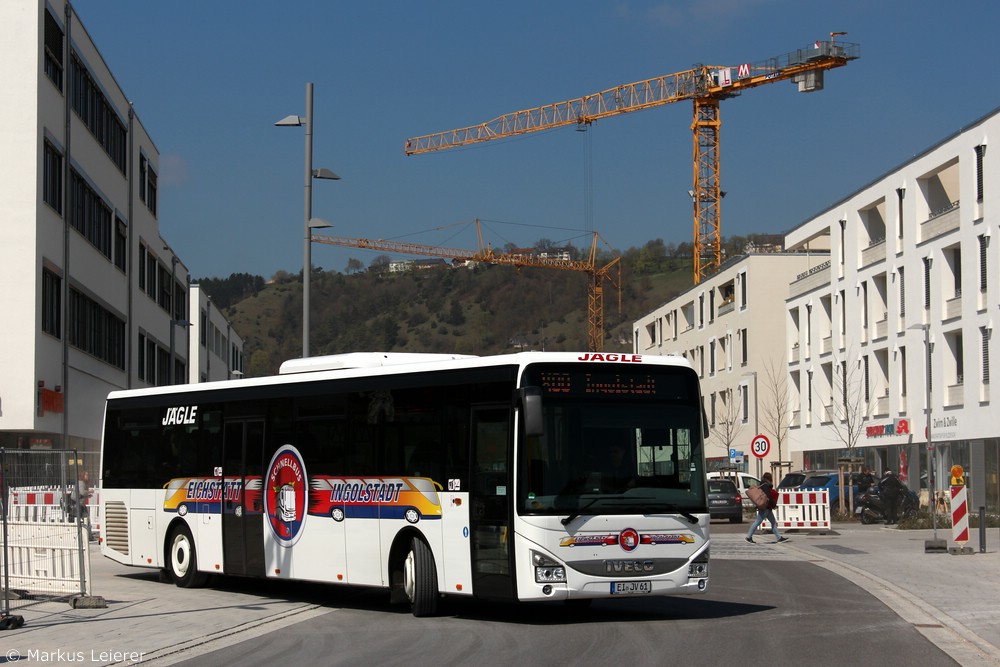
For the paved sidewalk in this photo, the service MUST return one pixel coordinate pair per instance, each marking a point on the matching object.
(953, 600)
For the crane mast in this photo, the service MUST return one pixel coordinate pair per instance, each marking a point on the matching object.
(705, 85)
(484, 253)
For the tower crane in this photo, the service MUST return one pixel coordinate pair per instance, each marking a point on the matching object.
(486, 254)
(705, 85)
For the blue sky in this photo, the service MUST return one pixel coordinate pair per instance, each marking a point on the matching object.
(210, 79)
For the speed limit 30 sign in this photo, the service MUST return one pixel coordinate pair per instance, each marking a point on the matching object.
(760, 446)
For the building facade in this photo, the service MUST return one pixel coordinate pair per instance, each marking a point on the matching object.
(95, 298)
(731, 328)
(216, 348)
(902, 314)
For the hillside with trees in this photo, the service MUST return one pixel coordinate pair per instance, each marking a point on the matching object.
(454, 309)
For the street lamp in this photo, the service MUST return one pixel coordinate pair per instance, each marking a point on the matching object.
(310, 173)
(756, 427)
(935, 544)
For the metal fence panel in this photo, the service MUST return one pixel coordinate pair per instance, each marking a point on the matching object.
(46, 527)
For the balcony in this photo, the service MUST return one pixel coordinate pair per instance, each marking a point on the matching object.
(882, 328)
(875, 252)
(940, 222)
(955, 396)
(817, 276)
(881, 406)
(953, 307)
(726, 307)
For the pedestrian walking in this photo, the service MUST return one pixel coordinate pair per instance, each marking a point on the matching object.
(767, 486)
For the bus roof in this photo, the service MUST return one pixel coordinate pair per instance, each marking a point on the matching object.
(360, 364)
(337, 362)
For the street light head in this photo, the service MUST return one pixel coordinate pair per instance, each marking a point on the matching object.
(319, 223)
(290, 121)
(326, 174)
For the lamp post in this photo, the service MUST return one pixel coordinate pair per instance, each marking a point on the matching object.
(310, 173)
(935, 544)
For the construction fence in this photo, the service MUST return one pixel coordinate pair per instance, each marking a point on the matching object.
(45, 503)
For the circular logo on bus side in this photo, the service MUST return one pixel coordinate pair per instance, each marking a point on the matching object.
(629, 539)
(286, 495)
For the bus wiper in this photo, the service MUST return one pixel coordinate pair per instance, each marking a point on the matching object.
(580, 510)
(627, 500)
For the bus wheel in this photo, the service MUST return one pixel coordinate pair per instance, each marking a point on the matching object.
(420, 579)
(183, 560)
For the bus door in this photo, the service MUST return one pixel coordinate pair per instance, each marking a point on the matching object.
(492, 489)
(243, 499)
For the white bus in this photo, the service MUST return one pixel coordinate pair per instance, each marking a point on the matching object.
(428, 475)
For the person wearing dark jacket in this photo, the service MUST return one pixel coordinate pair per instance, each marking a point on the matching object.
(866, 480)
(767, 486)
(889, 488)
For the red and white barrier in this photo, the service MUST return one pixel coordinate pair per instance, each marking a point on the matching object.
(801, 509)
(959, 515)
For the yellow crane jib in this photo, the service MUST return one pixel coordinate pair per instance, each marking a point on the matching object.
(703, 84)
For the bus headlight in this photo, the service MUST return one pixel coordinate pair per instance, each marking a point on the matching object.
(547, 571)
(699, 566)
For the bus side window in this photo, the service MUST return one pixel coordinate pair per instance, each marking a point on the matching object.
(425, 461)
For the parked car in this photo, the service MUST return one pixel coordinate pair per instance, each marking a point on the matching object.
(724, 501)
(830, 481)
(793, 479)
(742, 480)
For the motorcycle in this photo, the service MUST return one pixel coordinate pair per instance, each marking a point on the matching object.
(871, 508)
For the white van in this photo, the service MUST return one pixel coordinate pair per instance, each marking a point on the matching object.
(743, 482)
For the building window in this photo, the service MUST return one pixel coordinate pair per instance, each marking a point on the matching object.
(121, 245)
(98, 115)
(151, 375)
(902, 371)
(203, 328)
(986, 354)
(151, 272)
(900, 193)
(743, 291)
(95, 330)
(746, 403)
(984, 243)
(142, 178)
(180, 302)
(51, 303)
(90, 215)
(140, 362)
(151, 190)
(902, 293)
(52, 178)
(980, 152)
(927, 282)
(53, 51)
(164, 295)
(745, 347)
(711, 357)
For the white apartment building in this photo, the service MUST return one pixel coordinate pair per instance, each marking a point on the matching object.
(913, 277)
(94, 298)
(731, 327)
(216, 349)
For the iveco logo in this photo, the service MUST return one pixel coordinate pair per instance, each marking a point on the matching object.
(617, 566)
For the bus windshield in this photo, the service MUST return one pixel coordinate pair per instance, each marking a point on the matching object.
(615, 442)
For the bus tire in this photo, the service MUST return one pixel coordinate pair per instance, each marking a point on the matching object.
(182, 559)
(420, 579)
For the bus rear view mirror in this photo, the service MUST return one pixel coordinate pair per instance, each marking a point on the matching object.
(531, 410)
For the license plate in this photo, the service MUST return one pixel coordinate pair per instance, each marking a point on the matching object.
(718, 502)
(631, 587)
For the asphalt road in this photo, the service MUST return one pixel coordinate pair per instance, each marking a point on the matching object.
(787, 612)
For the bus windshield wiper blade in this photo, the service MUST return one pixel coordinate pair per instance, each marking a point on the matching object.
(579, 510)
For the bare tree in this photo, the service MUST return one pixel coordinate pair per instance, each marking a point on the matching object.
(728, 422)
(775, 409)
(849, 410)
